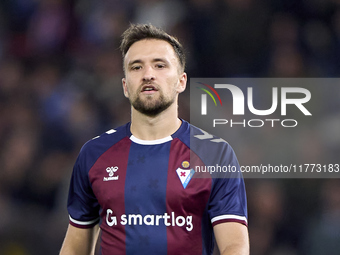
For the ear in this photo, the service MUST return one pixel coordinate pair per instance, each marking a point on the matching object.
(182, 83)
(126, 92)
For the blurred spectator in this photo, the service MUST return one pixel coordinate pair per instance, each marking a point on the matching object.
(102, 23)
(164, 13)
(49, 27)
(202, 26)
(240, 40)
(266, 212)
(323, 232)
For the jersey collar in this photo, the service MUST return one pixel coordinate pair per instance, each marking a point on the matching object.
(182, 128)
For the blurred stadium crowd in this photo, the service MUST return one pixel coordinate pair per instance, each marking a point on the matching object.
(60, 85)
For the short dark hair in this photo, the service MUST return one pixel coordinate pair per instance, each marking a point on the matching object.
(137, 32)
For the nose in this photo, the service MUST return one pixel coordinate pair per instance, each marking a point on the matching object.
(149, 74)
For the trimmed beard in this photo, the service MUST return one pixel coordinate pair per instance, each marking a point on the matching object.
(152, 109)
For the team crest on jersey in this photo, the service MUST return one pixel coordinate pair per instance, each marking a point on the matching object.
(185, 175)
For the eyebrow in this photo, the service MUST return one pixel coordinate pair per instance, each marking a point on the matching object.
(160, 60)
(137, 61)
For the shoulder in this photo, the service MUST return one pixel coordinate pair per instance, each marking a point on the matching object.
(95, 147)
(201, 140)
(194, 136)
(210, 148)
(201, 136)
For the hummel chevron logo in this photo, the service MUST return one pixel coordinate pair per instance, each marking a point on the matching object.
(206, 135)
(111, 131)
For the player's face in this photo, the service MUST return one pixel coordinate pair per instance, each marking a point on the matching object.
(153, 77)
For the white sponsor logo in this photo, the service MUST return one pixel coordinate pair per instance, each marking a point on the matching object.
(150, 220)
(111, 170)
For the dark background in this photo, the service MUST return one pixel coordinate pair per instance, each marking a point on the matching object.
(60, 85)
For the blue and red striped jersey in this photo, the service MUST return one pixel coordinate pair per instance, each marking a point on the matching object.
(156, 197)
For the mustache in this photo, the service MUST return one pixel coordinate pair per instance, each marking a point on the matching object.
(148, 82)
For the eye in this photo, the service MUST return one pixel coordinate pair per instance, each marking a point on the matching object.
(160, 66)
(136, 67)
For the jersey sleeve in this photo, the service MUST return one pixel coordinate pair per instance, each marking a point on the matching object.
(82, 205)
(228, 201)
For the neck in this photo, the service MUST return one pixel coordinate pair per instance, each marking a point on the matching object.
(156, 127)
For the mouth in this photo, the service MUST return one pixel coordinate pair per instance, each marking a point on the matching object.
(148, 89)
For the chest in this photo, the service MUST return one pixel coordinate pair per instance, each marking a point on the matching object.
(144, 179)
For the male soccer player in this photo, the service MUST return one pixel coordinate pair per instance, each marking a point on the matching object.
(137, 182)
